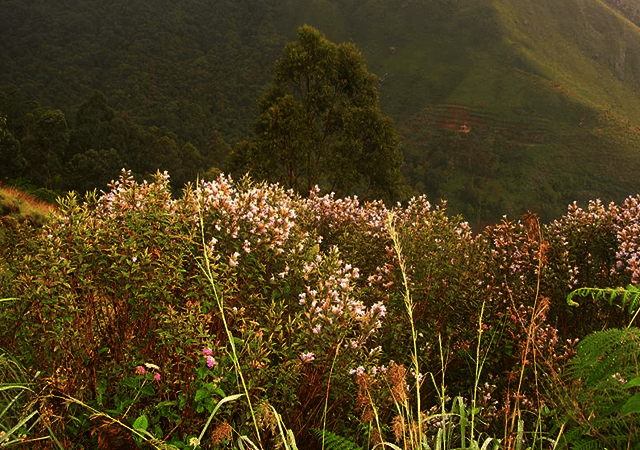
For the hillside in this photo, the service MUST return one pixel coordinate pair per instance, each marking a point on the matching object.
(503, 106)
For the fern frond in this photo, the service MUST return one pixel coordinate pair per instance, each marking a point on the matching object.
(603, 354)
(334, 442)
(600, 410)
(629, 297)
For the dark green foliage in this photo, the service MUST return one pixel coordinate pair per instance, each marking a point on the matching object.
(321, 124)
(331, 441)
(44, 145)
(601, 400)
(41, 147)
(103, 143)
(13, 163)
(544, 96)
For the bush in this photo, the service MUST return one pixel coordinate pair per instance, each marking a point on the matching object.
(190, 318)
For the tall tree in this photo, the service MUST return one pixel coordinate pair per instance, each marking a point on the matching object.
(320, 124)
(13, 163)
(44, 146)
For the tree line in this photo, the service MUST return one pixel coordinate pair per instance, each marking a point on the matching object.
(45, 147)
(319, 123)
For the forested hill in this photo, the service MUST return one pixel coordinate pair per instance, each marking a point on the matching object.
(503, 106)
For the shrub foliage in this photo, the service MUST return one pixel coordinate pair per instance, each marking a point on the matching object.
(111, 304)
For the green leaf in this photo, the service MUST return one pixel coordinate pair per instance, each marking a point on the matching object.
(633, 382)
(220, 392)
(632, 405)
(148, 390)
(141, 423)
(166, 404)
(201, 393)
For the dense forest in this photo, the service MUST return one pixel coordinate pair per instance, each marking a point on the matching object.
(501, 107)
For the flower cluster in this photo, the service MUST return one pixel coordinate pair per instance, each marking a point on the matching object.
(337, 214)
(142, 370)
(208, 355)
(126, 195)
(627, 226)
(307, 357)
(263, 215)
(514, 253)
(329, 302)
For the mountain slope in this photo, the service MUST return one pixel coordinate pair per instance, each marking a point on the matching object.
(506, 106)
(503, 106)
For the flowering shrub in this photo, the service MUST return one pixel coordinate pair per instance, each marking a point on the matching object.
(115, 308)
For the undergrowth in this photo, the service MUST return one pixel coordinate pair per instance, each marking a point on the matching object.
(240, 315)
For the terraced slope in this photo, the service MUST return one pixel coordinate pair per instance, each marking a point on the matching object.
(540, 98)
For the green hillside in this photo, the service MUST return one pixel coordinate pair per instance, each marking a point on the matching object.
(503, 106)
(510, 106)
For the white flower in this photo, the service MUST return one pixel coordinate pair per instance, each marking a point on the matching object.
(307, 357)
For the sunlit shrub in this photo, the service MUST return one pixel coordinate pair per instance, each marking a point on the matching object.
(114, 305)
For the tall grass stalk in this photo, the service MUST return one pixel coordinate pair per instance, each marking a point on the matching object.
(219, 302)
(410, 306)
(19, 415)
(539, 309)
(444, 438)
(326, 400)
(479, 365)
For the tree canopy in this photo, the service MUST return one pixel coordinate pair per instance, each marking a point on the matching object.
(320, 123)
(44, 147)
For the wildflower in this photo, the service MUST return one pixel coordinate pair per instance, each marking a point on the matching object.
(307, 357)
(156, 376)
(207, 351)
(616, 376)
(151, 366)
(379, 308)
(417, 376)
(140, 370)
(194, 442)
(210, 361)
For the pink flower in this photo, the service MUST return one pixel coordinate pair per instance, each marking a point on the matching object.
(140, 370)
(207, 352)
(210, 361)
(156, 376)
(307, 357)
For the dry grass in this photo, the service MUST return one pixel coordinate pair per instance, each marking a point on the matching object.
(18, 206)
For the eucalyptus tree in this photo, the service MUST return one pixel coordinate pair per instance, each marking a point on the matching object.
(320, 123)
